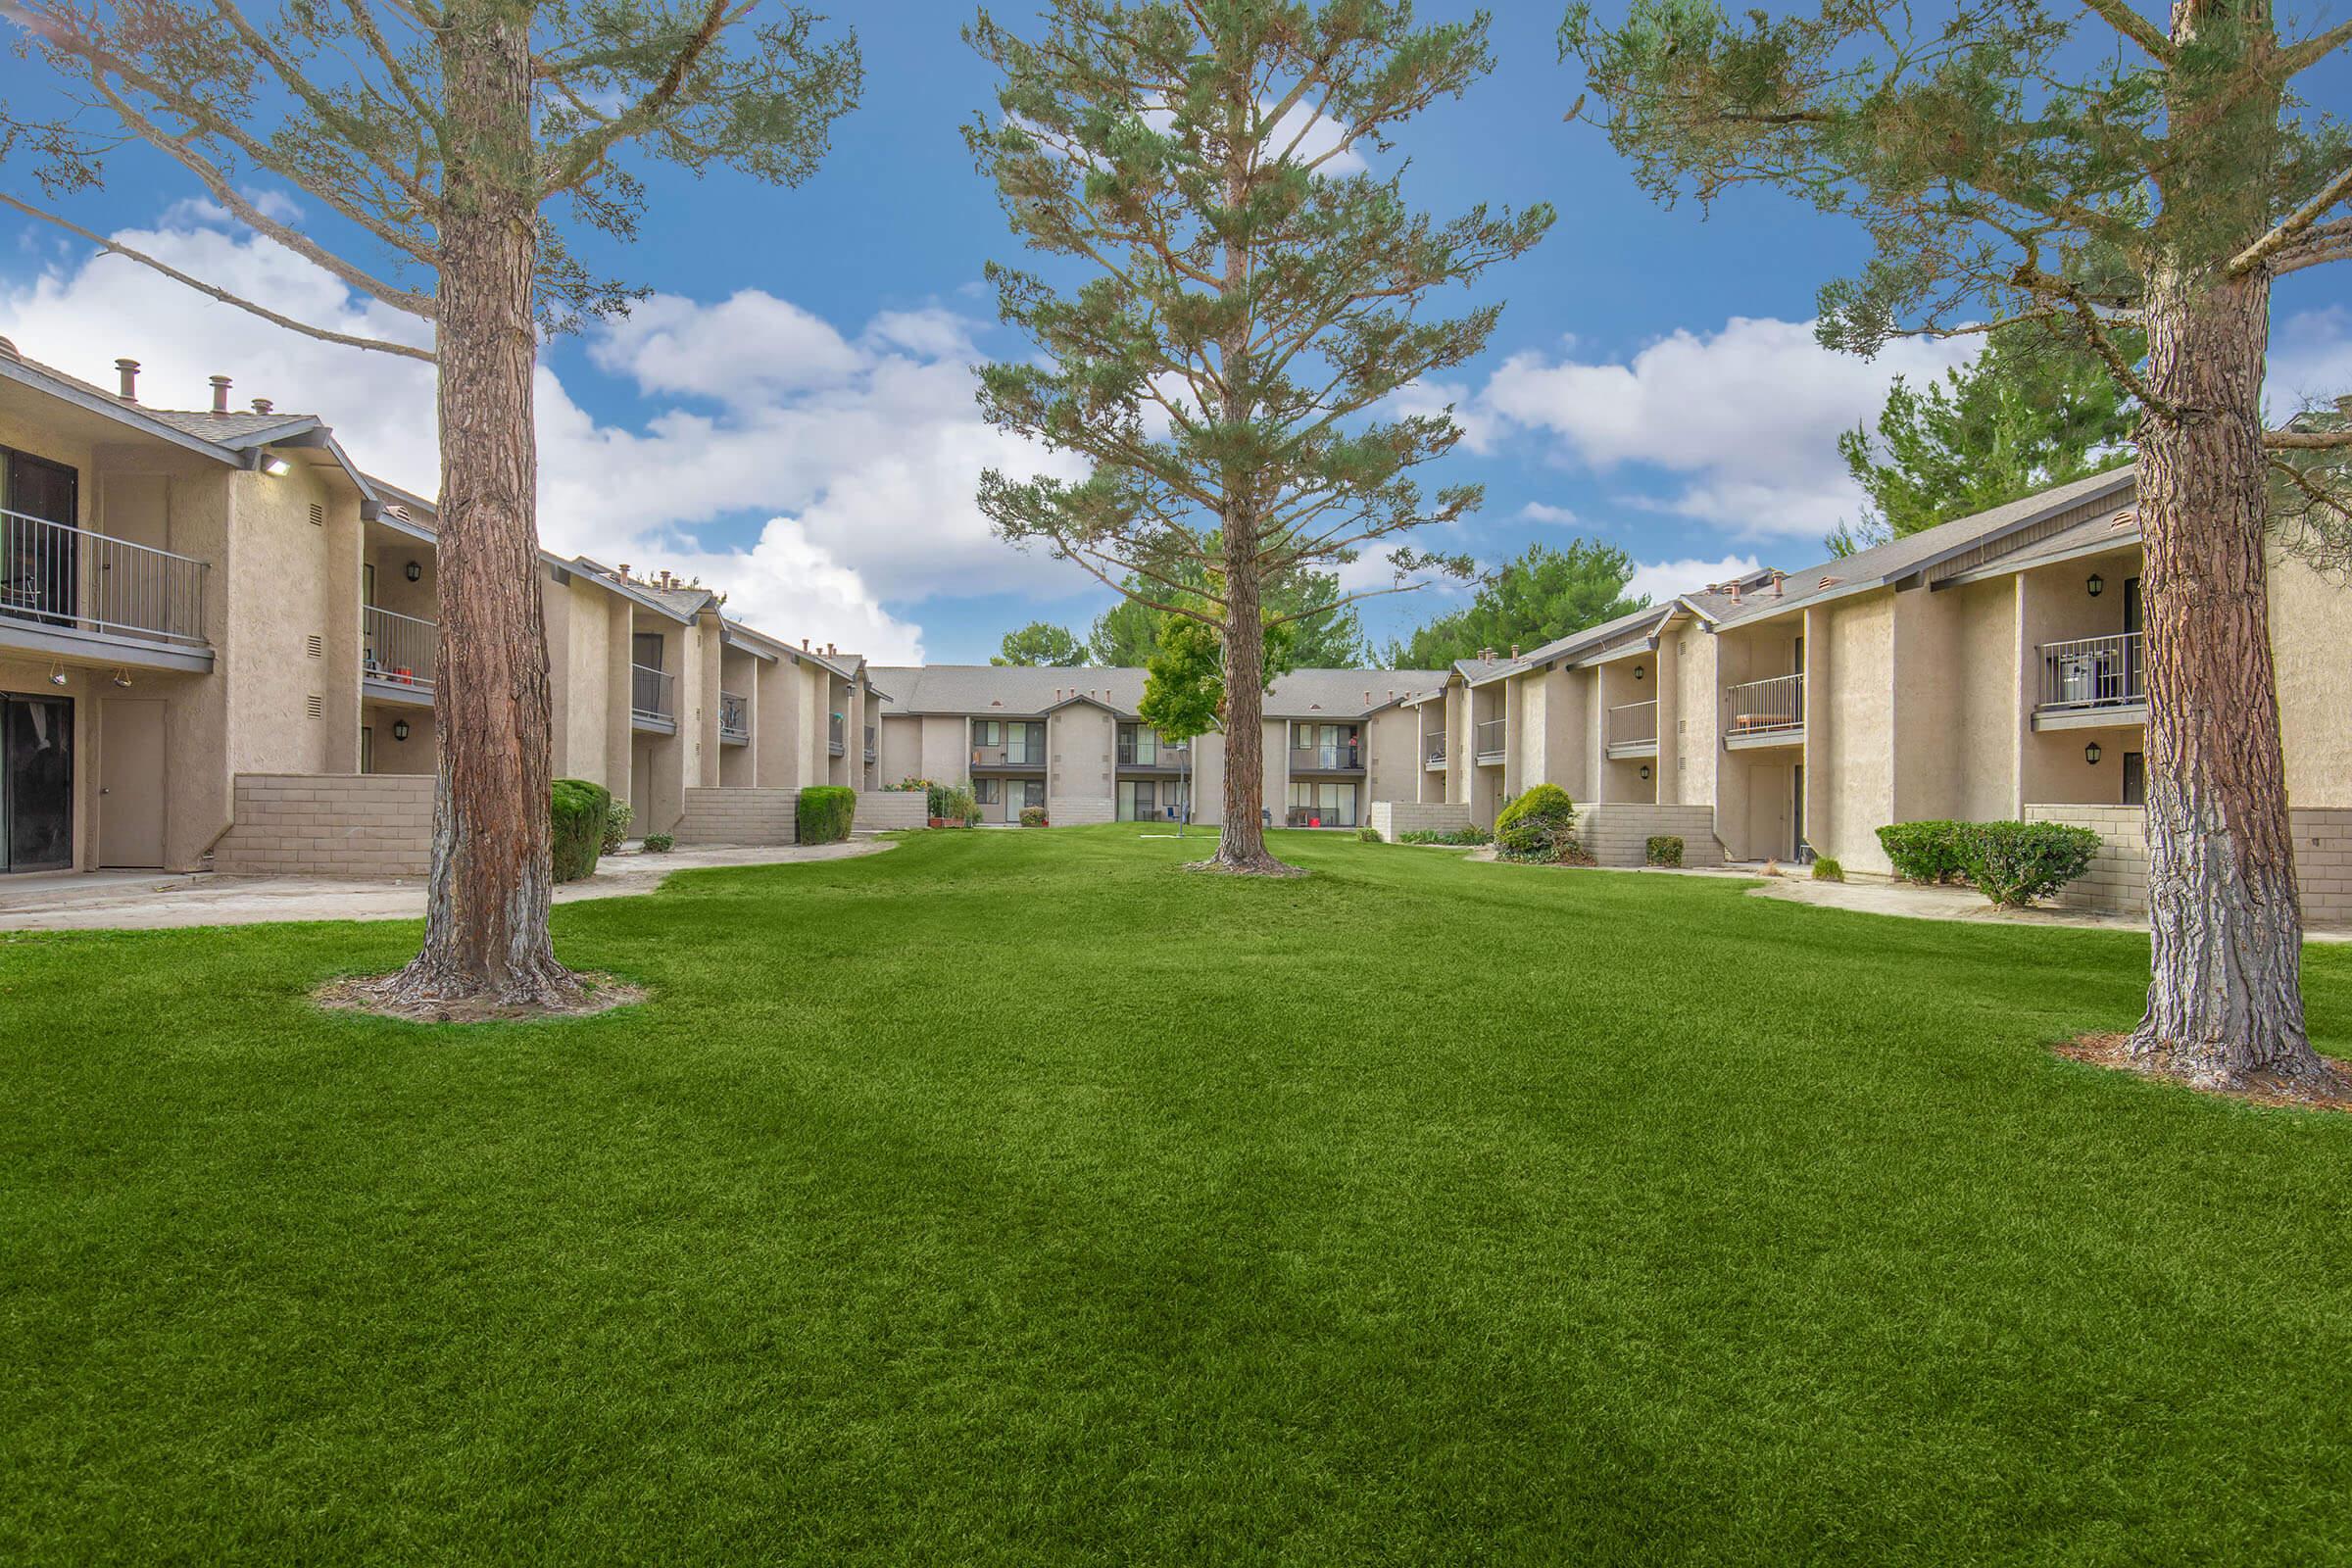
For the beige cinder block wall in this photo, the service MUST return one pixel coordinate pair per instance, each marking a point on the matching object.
(1696, 733)
(2311, 649)
(1079, 742)
(580, 676)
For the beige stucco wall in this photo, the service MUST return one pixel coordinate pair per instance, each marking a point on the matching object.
(1696, 733)
(2311, 639)
(1392, 755)
(1079, 747)
(1849, 725)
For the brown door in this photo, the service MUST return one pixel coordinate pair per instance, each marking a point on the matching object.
(131, 782)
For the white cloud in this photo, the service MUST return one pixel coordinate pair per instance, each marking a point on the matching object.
(1477, 422)
(1661, 580)
(863, 452)
(1750, 415)
(1544, 511)
(1317, 135)
(2311, 361)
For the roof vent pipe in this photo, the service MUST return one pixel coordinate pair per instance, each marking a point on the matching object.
(129, 370)
(260, 405)
(219, 394)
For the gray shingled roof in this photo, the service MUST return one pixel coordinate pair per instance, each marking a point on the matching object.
(1881, 564)
(2108, 531)
(233, 430)
(1025, 689)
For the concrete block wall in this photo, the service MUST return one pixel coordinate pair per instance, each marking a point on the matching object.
(1618, 833)
(1076, 810)
(329, 825)
(740, 816)
(882, 810)
(2117, 882)
(1389, 818)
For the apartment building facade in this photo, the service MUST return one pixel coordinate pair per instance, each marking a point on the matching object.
(218, 648)
(1070, 742)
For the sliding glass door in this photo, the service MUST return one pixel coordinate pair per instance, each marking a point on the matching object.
(36, 783)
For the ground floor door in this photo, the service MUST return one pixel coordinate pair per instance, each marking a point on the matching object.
(131, 782)
(1797, 814)
(36, 783)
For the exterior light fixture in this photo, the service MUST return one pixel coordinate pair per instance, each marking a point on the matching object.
(400, 729)
(1645, 771)
(123, 678)
(412, 571)
(57, 676)
(1638, 672)
(2096, 586)
(2090, 753)
(275, 467)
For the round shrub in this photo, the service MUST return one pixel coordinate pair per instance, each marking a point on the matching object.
(1539, 825)
(578, 810)
(1925, 851)
(1033, 816)
(826, 813)
(1826, 869)
(658, 843)
(1368, 834)
(2014, 863)
(616, 824)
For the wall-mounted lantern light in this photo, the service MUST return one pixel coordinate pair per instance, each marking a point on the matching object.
(275, 467)
(1638, 672)
(2096, 586)
(412, 571)
(1645, 770)
(2090, 753)
(400, 729)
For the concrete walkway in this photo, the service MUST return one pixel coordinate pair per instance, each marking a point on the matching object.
(154, 900)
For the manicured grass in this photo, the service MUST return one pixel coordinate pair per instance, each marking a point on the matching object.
(1017, 1197)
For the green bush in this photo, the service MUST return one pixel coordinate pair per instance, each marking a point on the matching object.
(2014, 863)
(1825, 870)
(1539, 825)
(954, 803)
(1460, 837)
(1663, 850)
(1925, 851)
(658, 843)
(616, 824)
(1033, 816)
(1368, 834)
(579, 810)
(826, 812)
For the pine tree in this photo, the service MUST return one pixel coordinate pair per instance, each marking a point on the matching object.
(1245, 309)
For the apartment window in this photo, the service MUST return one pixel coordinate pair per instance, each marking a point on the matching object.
(1322, 805)
(1033, 792)
(1147, 799)
(366, 750)
(986, 791)
(1139, 746)
(988, 732)
(645, 648)
(2136, 778)
(1025, 742)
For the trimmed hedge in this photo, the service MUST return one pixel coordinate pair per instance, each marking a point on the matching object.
(1926, 852)
(578, 810)
(1368, 834)
(2016, 862)
(826, 812)
(1825, 870)
(1538, 825)
(616, 824)
(1664, 850)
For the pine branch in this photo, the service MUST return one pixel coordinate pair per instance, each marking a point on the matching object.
(2307, 440)
(214, 291)
(2119, 14)
(2293, 224)
(579, 158)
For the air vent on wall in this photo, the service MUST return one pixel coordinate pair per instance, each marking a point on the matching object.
(314, 705)
(317, 515)
(315, 646)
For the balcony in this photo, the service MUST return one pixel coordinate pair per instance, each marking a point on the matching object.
(1009, 754)
(1766, 713)
(1320, 816)
(1346, 757)
(1633, 729)
(2092, 681)
(734, 720)
(834, 742)
(653, 699)
(1161, 758)
(398, 656)
(1490, 739)
(67, 590)
(1432, 748)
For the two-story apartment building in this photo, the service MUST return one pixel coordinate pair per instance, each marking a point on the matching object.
(1071, 743)
(217, 646)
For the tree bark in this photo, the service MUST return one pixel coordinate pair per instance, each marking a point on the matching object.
(486, 937)
(2225, 1000)
(1242, 846)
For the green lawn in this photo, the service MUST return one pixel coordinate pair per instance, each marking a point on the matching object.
(1017, 1197)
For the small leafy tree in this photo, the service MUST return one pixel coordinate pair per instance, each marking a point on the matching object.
(1543, 593)
(1332, 638)
(1040, 644)
(1246, 310)
(439, 133)
(1184, 692)
(2090, 176)
(2029, 413)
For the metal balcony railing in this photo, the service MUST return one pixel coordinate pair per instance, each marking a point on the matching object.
(1767, 706)
(1631, 723)
(653, 693)
(1146, 754)
(1346, 757)
(2093, 672)
(55, 574)
(734, 718)
(834, 735)
(1489, 737)
(399, 650)
(1433, 748)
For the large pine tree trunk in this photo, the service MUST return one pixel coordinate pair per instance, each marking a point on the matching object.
(1242, 848)
(2225, 1005)
(486, 939)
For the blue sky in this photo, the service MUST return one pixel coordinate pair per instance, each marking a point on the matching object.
(790, 417)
